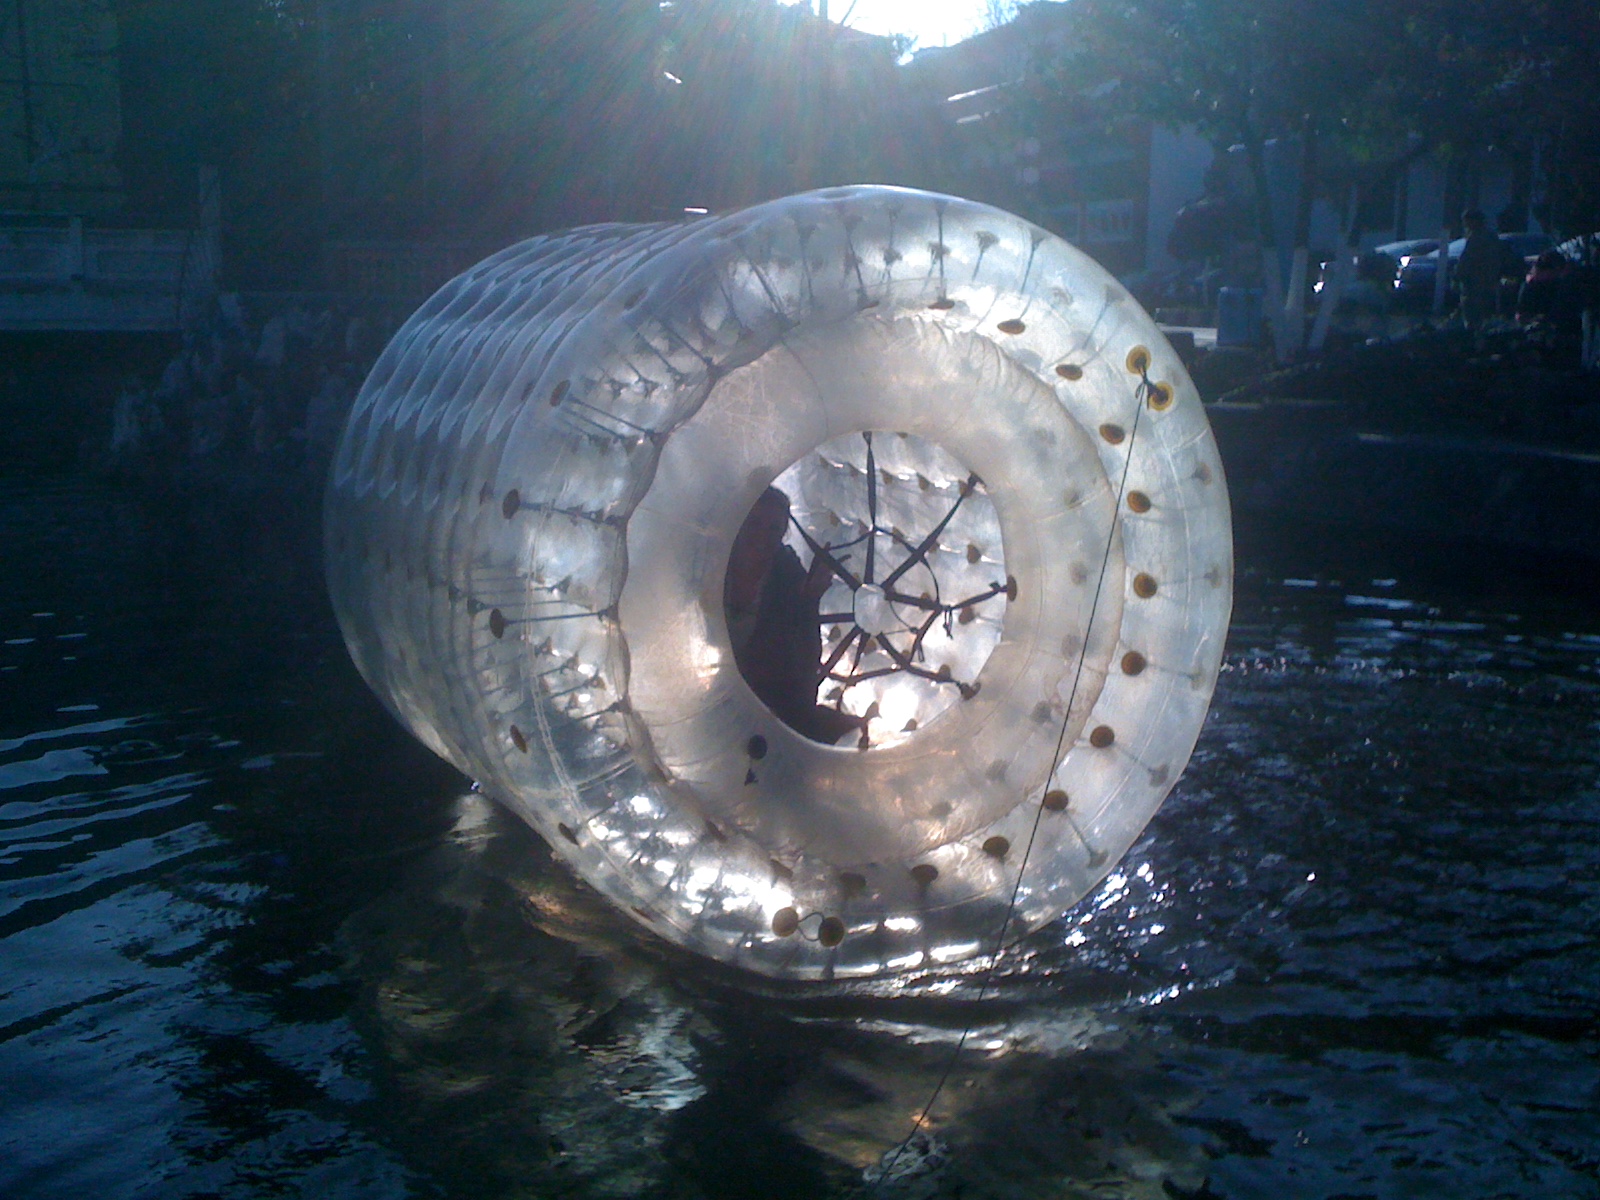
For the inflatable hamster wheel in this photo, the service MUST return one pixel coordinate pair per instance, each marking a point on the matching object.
(1006, 527)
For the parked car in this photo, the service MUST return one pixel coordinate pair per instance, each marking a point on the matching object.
(1371, 284)
(1585, 248)
(1406, 249)
(1414, 282)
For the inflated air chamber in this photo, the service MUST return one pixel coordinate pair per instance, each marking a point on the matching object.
(1004, 569)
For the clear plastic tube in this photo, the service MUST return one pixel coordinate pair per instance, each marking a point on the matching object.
(533, 508)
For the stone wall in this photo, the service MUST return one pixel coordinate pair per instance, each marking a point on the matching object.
(254, 398)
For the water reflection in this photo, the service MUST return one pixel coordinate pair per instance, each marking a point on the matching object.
(514, 1006)
(254, 940)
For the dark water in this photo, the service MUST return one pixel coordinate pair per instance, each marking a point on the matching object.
(254, 942)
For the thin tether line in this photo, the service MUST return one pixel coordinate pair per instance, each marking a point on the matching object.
(1141, 393)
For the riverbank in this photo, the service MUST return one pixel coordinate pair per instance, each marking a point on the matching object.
(260, 388)
(1492, 449)
(222, 435)
(227, 432)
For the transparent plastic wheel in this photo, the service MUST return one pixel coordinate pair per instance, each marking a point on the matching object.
(999, 552)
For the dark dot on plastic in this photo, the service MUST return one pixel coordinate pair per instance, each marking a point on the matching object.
(943, 303)
(567, 832)
(1069, 371)
(1055, 800)
(831, 932)
(1011, 587)
(1102, 736)
(1113, 433)
(517, 740)
(559, 392)
(852, 884)
(1139, 502)
(1133, 663)
(1160, 396)
(1138, 360)
(967, 615)
(714, 832)
(512, 502)
(997, 846)
(1012, 326)
(973, 553)
(924, 874)
(779, 871)
(633, 299)
(749, 778)
(1144, 586)
(1203, 473)
(756, 747)
(497, 623)
(785, 921)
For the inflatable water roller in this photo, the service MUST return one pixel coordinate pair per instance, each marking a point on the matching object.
(994, 497)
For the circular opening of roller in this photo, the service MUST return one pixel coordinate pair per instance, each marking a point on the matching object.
(866, 589)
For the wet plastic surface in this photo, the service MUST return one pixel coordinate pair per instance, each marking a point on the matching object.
(531, 514)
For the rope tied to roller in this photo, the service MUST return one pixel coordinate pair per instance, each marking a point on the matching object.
(1143, 393)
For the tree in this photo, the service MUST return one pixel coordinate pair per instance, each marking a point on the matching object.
(768, 99)
(487, 120)
(227, 85)
(1363, 88)
(1243, 73)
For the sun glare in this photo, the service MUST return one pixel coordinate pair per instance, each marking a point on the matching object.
(930, 22)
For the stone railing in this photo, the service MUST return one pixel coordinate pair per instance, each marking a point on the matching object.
(57, 273)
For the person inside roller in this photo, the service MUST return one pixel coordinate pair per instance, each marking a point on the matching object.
(771, 602)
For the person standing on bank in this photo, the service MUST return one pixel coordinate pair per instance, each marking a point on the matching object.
(1478, 272)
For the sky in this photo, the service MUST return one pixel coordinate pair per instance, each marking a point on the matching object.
(931, 22)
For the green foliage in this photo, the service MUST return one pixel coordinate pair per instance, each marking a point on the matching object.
(772, 100)
(228, 84)
(1376, 82)
(491, 119)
